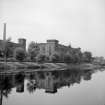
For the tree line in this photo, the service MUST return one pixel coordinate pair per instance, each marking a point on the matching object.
(33, 54)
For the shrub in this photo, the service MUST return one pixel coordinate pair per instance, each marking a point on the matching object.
(40, 58)
(19, 54)
(54, 58)
(67, 59)
(87, 56)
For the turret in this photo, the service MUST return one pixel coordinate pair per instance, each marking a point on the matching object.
(51, 46)
(53, 41)
(22, 42)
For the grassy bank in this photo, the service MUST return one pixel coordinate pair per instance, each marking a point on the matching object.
(30, 66)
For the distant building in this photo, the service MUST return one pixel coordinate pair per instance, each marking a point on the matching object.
(53, 46)
(99, 60)
(49, 48)
(21, 43)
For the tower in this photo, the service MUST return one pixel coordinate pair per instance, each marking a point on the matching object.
(4, 32)
(51, 46)
(22, 42)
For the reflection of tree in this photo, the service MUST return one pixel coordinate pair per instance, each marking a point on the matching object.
(7, 82)
(41, 74)
(31, 86)
(6, 92)
(87, 75)
(1, 97)
(55, 74)
(19, 82)
(5, 87)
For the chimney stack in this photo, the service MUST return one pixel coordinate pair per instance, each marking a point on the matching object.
(4, 32)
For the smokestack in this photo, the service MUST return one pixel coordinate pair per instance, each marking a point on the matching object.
(4, 32)
(4, 41)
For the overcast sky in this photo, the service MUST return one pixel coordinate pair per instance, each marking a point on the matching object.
(79, 22)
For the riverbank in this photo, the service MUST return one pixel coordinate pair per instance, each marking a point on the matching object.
(31, 66)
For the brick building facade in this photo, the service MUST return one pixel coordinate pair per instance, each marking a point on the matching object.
(52, 46)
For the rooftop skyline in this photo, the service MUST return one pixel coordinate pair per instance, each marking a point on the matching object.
(80, 23)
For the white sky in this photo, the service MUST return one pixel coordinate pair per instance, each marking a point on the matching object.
(79, 22)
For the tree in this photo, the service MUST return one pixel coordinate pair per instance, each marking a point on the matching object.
(87, 56)
(6, 49)
(41, 58)
(68, 58)
(33, 50)
(76, 55)
(19, 54)
(54, 57)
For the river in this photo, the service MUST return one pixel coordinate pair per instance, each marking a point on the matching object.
(53, 88)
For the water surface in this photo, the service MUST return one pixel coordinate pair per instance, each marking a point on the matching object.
(53, 88)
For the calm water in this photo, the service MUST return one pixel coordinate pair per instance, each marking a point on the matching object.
(53, 88)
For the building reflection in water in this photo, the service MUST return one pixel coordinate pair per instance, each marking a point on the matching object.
(50, 81)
